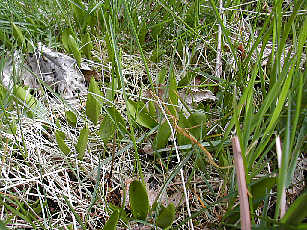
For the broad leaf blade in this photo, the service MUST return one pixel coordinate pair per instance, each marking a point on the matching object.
(25, 96)
(297, 211)
(93, 106)
(183, 123)
(140, 113)
(87, 45)
(74, 48)
(71, 118)
(117, 119)
(107, 128)
(166, 216)
(172, 94)
(17, 33)
(139, 202)
(82, 142)
(162, 136)
(261, 187)
(65, 40)
(112, 221)
(197, 121)
(60, 137)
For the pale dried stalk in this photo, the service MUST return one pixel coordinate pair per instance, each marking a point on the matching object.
(283, 194)
(244, 205)
(218, 66)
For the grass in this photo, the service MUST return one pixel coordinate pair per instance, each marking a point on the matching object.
(149, 56)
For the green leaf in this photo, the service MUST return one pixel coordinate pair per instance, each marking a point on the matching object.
(111, 55)
(65, 40)
(82, 142)
(35, 107)
(197, 121)
(13, 126)
(172, 93)
(118, 120)
(25, 96)
(166, 216)
(17, 33)
(186, 79)
(262, 186)
(124, 217)
(140, 113)
(107, 128)
(152, 109)
(301, 226)
(112, 87)
(297, 211)
(162, 136)
(87, 45)
(71, 118)
(93, 106)
(194, 125)
(3, 91)
(157, 54)
(156, 29)
(183, 123)
(142, 34)
(5, 40)
(78, 12)
(58, 124)
(162, 76)
(60, 137)
(74, 49)
(112, 221)
(138, 200)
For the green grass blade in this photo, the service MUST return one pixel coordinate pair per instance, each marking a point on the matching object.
(138, 43)
(132, 136)
(297, 211)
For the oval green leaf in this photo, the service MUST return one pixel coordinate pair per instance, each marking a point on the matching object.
(262, 186)
(138, 198)
(118, 120)
(107, 128)
(297, 211)
(60, 137)
(93, 106)
(87, 45)
(18, 34)
(197, 121)
(82, 142)
(71, 118)
(112, 221)
(139, 112)
(162, 136)
(166, 216)
(74, 48)
(25, 96)
(65, 40)
(183, 123)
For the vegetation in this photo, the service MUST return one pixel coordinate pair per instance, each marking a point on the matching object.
(149, 144)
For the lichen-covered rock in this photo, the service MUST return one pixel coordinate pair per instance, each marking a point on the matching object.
(57, 70)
